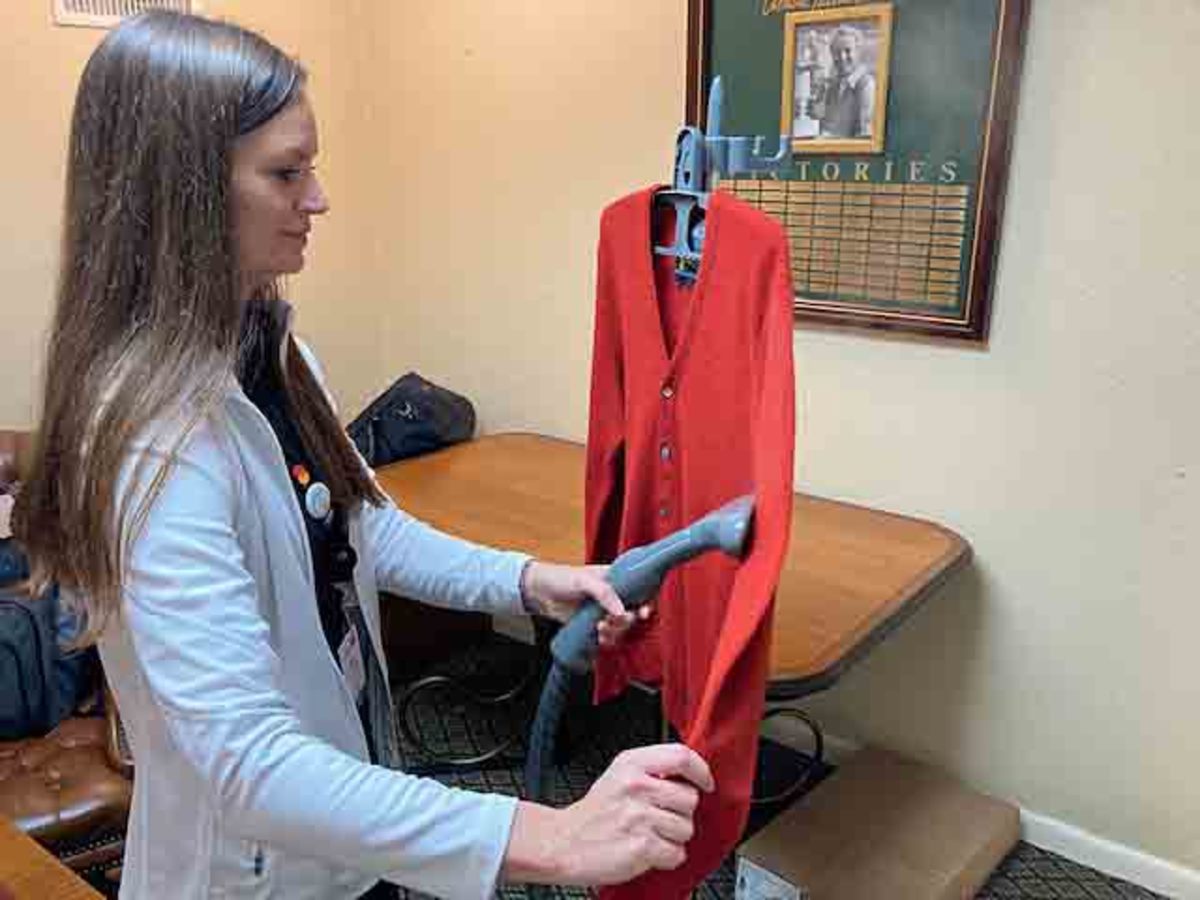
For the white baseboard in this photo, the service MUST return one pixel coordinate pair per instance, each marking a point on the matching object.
(1109, 857)
(1113, 859)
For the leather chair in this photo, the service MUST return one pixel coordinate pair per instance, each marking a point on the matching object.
(69, 790)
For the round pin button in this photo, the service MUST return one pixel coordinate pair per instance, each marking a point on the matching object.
(318, 501)
(668, 390)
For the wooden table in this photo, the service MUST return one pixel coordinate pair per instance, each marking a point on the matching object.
(851, 576)
(29, 872)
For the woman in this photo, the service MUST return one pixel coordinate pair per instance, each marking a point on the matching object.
(193, 490)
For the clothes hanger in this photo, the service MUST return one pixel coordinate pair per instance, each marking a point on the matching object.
(698, 158)
(688, 198)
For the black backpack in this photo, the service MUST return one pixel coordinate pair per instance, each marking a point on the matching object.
(40, 683)
(411, 417)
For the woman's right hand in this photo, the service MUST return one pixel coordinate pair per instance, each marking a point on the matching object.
(636, 817)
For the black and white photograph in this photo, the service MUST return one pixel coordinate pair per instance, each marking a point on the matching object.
(835, 78)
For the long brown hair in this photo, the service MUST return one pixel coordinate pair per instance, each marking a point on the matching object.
(149, 323)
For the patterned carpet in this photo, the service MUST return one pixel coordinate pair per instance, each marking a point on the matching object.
(446, 721)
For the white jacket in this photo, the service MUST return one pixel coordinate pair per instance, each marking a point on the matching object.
(250, 772)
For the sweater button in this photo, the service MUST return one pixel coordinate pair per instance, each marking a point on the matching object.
(663, 511)
(668, 390)
(664, 452)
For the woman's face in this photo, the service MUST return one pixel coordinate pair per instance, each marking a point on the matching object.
(274, 194)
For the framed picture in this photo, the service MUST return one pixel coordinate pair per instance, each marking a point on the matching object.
(835, 78)
(899, 118)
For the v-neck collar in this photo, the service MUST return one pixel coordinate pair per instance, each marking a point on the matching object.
(671, 358)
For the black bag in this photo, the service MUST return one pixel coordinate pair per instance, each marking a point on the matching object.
(40, 683)
(412, 417)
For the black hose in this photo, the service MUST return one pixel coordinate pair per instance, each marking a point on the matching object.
(543, 734)
(543, 737)
(635, 576)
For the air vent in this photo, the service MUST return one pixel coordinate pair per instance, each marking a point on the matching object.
(106, 13)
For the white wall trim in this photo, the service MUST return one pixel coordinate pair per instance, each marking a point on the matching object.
(1117, 860)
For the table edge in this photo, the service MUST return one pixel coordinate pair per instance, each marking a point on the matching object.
(785, 687)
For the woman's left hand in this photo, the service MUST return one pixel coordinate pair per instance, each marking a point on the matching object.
(555, 591)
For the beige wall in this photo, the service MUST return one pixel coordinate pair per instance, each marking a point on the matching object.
(39, 67)
(507, 132)
(469, 156)
(1061, 671)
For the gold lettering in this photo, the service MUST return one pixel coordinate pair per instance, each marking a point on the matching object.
(804, 170)
(916, 170)
(831, 171)
(887, 170)
(862, 171)
(774, 6)
(949, 171)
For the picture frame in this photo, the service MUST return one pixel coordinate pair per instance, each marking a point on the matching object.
(835, 78)
(901, 233)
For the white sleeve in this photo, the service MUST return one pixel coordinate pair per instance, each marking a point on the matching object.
(417, 561)
(192, 611)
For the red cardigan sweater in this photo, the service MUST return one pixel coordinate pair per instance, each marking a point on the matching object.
(692, 404)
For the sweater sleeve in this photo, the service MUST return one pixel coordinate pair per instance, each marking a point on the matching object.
(203, 648)
(605, 464)
(774, 426)
(415, 560)
(726, 725)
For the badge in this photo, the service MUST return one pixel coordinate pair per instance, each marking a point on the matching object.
(318, 501)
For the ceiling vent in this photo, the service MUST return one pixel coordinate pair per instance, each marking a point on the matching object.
(106, 13)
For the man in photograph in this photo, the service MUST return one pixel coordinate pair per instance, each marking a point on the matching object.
(848, 107)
